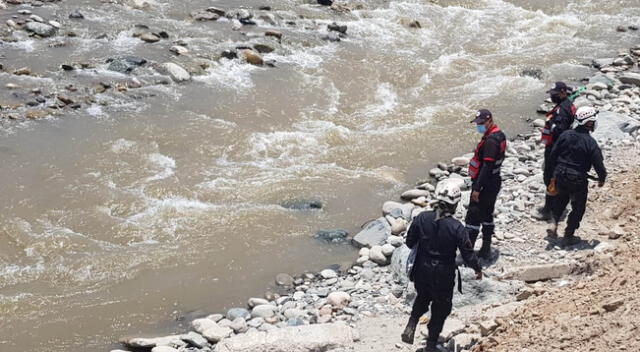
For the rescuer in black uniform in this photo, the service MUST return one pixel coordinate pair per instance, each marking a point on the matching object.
(559, 119)
(435, 236)
(572, 157)
(484, 170)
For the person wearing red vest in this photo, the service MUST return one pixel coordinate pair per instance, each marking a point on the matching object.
(484, 170)
(559, 119)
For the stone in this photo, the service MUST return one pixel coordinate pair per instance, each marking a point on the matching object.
(460, 161)
(217, 333)
(338, 299)
(179, 50)
(600, 63)
(397, 210)
(414, 193)
(239, 325)
(194, 339)
(328, 274)
(305, 338)
(375, 233)
(295, 322)
(630, 78)
(337, 235)
(252, 57)
(463, 342)
(256, 302)
(409, 23)
(234, 313)
(163, 349)
(613, 305)
(397, 225)
(487, 327)
(543, 272)
(76, 15)
(452, 327)
(337, 28)
(41, 29)
(125, 64)
(612, 125)
(284, 280)
(600, 78)
(139, 4)
(293, 313)
(275, 34)
(149, 343)
(532, 72)
(376, 255)
(201, 325)
(539, 123)
(395, 241)
(387, 249)
(263, 48)
(177, 73)
(149, 38)
(302, 204)
(264, 311)
(204, 15)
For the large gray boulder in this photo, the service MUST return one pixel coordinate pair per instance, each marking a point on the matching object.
(306, 338)
(399, 263)
(41, 29)
(374, 234)
(177, 73)
(630, 78)
(612, 125)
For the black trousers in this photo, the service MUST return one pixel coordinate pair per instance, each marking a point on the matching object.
(434, 285)
(481, 213)
(547, 175)
(577, 195)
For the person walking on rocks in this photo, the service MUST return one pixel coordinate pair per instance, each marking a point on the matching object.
(572, 157)
(559, 120)
(484, 170)
(435, 236)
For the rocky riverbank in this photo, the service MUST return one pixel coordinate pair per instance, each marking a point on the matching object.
(346, 309)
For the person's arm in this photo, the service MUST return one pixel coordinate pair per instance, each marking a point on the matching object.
(598, 165)
(466, 250)
(563, 120)
(550, 163)
(413, 234)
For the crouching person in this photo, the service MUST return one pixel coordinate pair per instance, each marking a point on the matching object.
(435, 236)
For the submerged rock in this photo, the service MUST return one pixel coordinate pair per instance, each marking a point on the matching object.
(125, 64)
(177, 73)
(337, 235)
(302, 204)
(41, 29)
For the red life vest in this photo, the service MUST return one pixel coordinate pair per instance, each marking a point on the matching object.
(547, 134)
(476, 162)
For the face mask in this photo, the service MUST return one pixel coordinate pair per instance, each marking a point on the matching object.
(481, 129)
(556, 99)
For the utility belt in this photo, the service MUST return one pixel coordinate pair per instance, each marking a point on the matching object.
(570, 175)
(438, 262)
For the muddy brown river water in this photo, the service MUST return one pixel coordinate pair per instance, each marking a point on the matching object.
(143, 209)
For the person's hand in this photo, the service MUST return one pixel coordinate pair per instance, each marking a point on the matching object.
(600, 183)
(475, 196)
(478, 275)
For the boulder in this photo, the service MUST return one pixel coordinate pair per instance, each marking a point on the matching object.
(630, 78)
(388, 249)
(305, 338)
(177, 73)
(149, 343)
(125, 64)
(302, 204)
(377, 256)
(338, 299)
(399, 263)
(283, 279)
(201, 325)
(612, 125)
(234, 313)
(337, 235)
(414, 193)
(41, 29)
(194, 339)
(252, 57)
(328, 274)
(264, 311)
(375, 233)
(217, 333)
(543, 272)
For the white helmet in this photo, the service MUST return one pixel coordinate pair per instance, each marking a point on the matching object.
(586, 114)
(449, 193)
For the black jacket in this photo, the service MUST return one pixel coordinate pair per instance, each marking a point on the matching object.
(577, 150)
(439, 240)
(562, 118)
(491, 152)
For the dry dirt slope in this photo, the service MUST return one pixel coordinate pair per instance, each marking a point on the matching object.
(599, 312)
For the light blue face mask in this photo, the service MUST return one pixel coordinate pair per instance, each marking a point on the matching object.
(481, 128)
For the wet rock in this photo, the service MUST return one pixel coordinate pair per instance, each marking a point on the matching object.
(532, 72)
(139, 4)
(177, 73)
(337, 235)
(414, 193)
(600, 63)
(125, 64)
(621, 29)
(179, 50)
(325, 2)
(65, 100)
(76, 15)
(229, 54)
(328, 274)
(36, 114)
(337, 28)
(149, 343)
(41, 29)
(252, 302)
(263, 48)
(205, 15)
(239, 325)
(149, 38)
(275, 34)
(377, 256)
(409, 23)
(66, 67)
(284, 280)
(24, 71)
(332, 37)
(306, 338)
(375, 233)
(234, 313)
(302, 204)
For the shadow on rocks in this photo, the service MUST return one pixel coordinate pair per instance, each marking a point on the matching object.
(555, 243)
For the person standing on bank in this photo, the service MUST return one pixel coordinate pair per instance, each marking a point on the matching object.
(437, 235)
(484, 170)
(559, 119)
(572, 157)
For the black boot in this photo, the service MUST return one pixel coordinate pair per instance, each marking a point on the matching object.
(545, 213)
(569, 238)
(431, 346)
(409, 331)
(487, 235)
